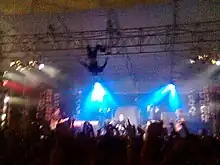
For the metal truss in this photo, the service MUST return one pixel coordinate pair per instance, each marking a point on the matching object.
(189, 37)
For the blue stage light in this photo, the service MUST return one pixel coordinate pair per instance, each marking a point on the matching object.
(168, 90)
(99, 102)
(98, 93)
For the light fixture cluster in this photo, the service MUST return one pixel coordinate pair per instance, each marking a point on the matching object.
(205, 110)
(152, 110)
(191, 103)
(78, 101)
(206, 59)
(4, 111)
(21, 66)
(200, 104)
(205, 113)
(49, 100)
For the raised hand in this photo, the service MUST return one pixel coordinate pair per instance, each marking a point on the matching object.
(131, 130)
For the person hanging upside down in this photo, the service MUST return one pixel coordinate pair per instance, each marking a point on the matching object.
(92, 64)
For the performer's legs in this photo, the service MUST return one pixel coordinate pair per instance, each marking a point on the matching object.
(92, 54)
(89, 52)
(100, 48)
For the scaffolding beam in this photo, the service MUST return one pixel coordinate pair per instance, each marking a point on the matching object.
(188, 37)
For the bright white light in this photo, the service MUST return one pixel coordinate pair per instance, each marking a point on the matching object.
(12, 64)
(157, 109)
(4, 108)
(31, 62)
(121, 117)
(192, 61)
(148, 108)
(108, 109)
(5, 73)
(41, 66)
(3, 123)
(64, 120)
(218, 63)
(3, 117)
(6, 100)
(22, 69)
(5, 82)
(100, 109)
(19, 67)
(79, 123)
(171, 87)
(98, 93)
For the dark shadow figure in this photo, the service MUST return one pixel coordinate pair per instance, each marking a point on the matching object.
(92, 64)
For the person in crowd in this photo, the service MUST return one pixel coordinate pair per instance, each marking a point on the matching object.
(64, 146)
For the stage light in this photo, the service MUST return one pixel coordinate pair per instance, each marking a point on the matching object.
(171, 87)
(173, 97)
(4, 108)
(31, 62)
(100, 109)
(12, 64)
(5, 82)
(41, 66)
(148, 108)
(5, 72)
(3, 117)
(200, 57)
(121, 117)
(157, 109)
(79, 92)
(2, 124)
(34, 63)
(18, 62)
(191, 61)
(19, 67)
(213, 61)
(98, 100)
(205, 56)
(6, 100)
(218, 63)
(22, 69)
(98, 92)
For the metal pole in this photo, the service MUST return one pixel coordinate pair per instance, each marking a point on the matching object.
(1, 43)
(173, 39)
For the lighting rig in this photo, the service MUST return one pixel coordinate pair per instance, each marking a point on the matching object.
(206, 59)
(4, 110)
(21, 66)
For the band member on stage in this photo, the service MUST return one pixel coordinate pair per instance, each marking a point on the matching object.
(55, 118)
(179, 115)
(179, 119)
(92, 64)
(157, 113)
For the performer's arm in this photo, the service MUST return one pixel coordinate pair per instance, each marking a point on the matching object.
(94, 52)
(104, 65)
(90, 53)
(89, 49)
(84, 64)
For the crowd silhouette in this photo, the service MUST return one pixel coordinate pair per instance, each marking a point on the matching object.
(67, 145)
